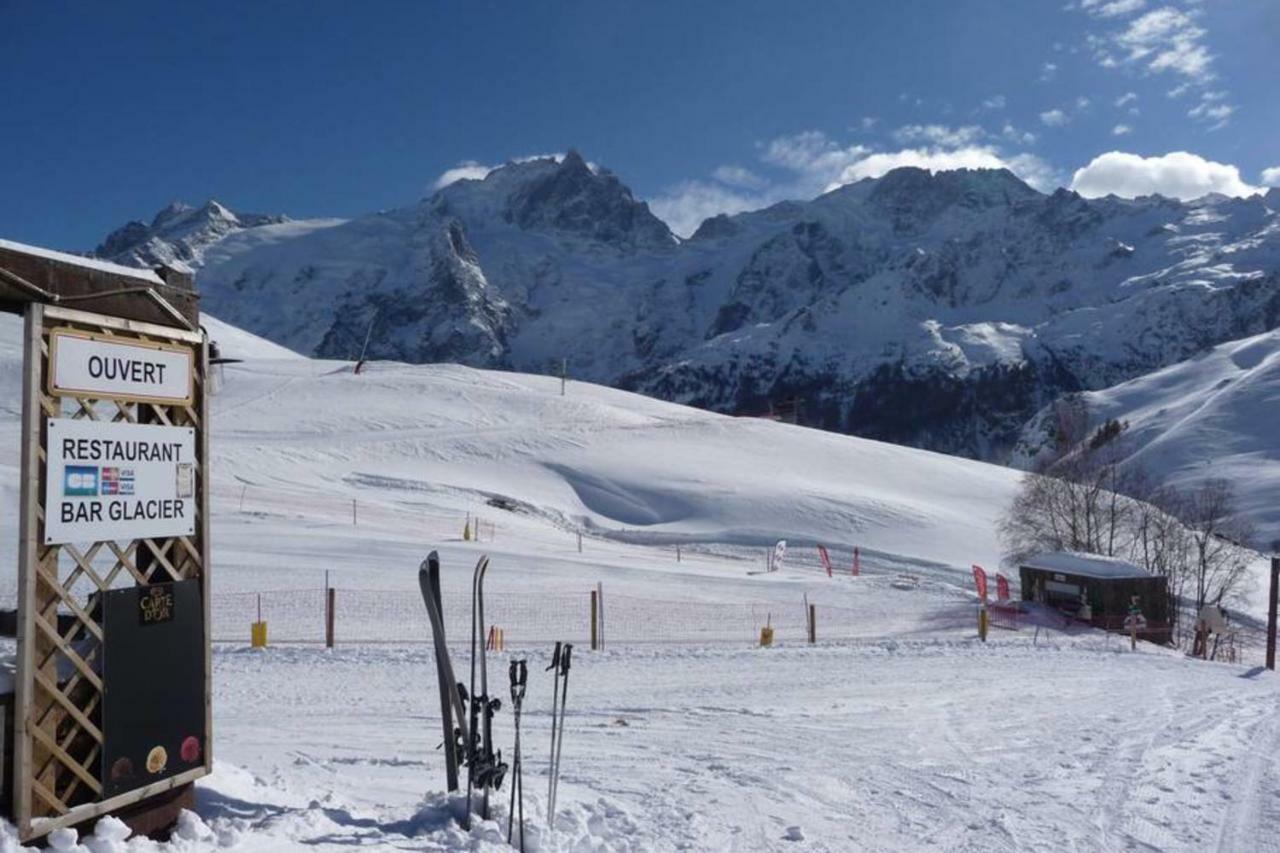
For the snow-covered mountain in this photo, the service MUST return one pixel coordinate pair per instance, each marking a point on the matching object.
(938, 310)
(178, 235)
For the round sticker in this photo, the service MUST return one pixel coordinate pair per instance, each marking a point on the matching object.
(157, 758)
(190, 751)
(121, 768)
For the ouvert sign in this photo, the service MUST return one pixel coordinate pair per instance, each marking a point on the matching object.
(113, 481)
(105, 367)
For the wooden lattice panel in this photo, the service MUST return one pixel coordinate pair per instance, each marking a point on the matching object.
(58, 738)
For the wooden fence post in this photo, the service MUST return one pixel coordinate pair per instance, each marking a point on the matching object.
(1271, 613)
(329, 613)
(595, 604)
(600, 612)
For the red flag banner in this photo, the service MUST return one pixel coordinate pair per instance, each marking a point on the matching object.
(980, 580)
(826, 559)
(1002, 588)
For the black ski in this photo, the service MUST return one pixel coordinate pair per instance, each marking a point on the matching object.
(452, 713)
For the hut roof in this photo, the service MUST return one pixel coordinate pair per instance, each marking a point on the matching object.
(1085, 565)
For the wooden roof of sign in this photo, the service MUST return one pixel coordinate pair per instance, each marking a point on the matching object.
(164, 297)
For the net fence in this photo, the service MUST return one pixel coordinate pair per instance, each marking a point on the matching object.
(363, 616)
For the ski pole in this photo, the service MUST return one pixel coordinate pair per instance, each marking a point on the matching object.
(555, 699)
(564, 699)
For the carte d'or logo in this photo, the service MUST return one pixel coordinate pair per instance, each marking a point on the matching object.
(155, 605)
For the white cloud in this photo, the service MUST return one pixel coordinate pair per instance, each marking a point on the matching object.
(811, 151)
(470, 170)
(685, 206)
(1271, 177)
(1048, 71)
(1020, 137)
(1053, 118)
(467, 170)
(868, 122)
(1212, 110)
(1167, 39)
(939, 134)
(1179, 175)
(1112, 9)
(738, 176)
(995, 102)
(1121, 130)
(1126, 98)
(811, 163)
(1082, 103)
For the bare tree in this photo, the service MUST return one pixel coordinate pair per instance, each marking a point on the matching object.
(1079, 503)
(1161, 543)
(1220, 544)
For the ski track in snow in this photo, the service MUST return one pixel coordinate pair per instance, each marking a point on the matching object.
(912, 745)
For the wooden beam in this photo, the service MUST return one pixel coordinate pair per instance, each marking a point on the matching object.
(28, 554)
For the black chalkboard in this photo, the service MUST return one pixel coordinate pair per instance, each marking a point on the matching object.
(153, 705)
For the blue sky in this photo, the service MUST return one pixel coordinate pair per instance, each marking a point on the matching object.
(337, 109)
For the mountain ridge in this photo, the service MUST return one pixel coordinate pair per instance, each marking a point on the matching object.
(939, 310)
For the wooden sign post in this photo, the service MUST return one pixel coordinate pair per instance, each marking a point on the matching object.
(113, 543)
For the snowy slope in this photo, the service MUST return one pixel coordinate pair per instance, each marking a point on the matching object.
(1212, 416)
(937, 310)
(907, 734)
(609, 461)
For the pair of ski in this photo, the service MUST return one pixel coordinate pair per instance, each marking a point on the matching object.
(466, 714)
(468, 737)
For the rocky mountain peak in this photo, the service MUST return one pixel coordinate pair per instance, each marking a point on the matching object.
(573, 198)
(178, 234)
(910, 189)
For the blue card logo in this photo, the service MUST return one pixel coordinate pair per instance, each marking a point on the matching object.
(80, 481)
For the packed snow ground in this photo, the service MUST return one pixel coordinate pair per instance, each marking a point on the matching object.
(907, 735)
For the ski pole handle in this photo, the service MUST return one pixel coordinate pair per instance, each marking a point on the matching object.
(519, 673)
(555, 657)
(564, 658)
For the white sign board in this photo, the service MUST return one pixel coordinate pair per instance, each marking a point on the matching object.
(112, 481)
(103, 367)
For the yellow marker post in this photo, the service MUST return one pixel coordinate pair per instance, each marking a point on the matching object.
(766, 633)
(258, 630)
